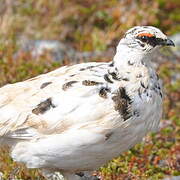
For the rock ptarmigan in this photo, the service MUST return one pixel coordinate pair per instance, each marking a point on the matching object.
(77, 118)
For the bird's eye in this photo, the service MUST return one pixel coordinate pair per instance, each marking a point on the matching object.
(144, 38)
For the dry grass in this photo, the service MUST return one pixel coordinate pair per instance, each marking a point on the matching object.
(87, 26)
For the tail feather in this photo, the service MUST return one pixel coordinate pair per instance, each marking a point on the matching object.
(23, 152)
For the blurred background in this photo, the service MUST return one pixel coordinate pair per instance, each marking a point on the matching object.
(39, 36)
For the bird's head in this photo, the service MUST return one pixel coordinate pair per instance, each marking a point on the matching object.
(145, 38)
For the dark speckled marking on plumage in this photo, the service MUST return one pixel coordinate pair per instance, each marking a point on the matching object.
(72, 75)
(111, 64)
(132, 31)
(89, 67)
(106, 78)
(114, 76)
(68, 85)
(143, 85)
(130, 63)
(139, 76)
(90, 83)
(142, 62)
(142, 45)
(125, 79)
(103, 92)
(122, 102)
(139, 93)
(136, 113)
(157, 89)
(43, 106)
(154, 89)
(108, 135)
(45, 84)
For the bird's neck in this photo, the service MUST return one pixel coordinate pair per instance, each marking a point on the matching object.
(126, 56)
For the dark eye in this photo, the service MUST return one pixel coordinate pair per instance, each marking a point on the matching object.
(144, 38)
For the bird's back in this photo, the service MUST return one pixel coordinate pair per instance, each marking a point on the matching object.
(51, 100)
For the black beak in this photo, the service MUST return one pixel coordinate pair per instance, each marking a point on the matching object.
(168, 42)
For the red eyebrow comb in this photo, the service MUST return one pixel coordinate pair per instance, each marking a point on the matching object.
(145, 34)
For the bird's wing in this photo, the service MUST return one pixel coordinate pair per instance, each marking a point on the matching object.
(69, 97)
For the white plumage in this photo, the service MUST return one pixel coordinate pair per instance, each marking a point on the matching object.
(79, 117)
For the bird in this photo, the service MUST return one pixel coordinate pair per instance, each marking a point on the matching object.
(77, 118)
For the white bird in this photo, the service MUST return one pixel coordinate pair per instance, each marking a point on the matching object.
(77, 118)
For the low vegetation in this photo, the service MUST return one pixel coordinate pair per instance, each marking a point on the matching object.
(89, 26)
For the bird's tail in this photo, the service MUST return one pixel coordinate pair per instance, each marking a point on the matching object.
(24, 152)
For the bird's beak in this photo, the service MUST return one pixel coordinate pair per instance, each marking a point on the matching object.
(168, 42)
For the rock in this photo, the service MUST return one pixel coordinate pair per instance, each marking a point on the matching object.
(176, 40)
(173, 178)
(1, 176)
(58, 51)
